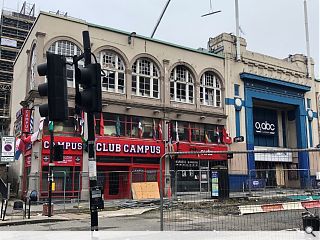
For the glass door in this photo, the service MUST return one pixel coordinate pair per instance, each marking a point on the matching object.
(204, 176)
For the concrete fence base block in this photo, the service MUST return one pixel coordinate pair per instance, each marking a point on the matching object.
(249, 209)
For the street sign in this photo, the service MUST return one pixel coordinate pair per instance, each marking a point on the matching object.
(7, 149)
(96, 198)
(238, 139)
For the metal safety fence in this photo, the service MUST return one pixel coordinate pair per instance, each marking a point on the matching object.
(275, 194)
(196, 193)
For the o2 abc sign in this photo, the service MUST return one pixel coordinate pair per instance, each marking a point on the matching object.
(264, 128)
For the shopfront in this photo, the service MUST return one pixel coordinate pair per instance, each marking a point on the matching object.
(66, 173)
(276, 119)
(122, 161)
(192, 172)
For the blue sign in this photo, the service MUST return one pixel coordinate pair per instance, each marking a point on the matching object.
(257, 183)
(214, 184)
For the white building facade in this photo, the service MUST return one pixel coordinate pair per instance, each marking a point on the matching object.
(183, 99)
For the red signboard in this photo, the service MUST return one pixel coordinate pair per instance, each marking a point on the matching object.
(26, 120)
(71, 145)
(68, 160)
(72, 150)
(189, 147)
(123, 147)
(105, 146)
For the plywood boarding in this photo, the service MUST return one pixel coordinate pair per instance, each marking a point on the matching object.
(145, 190)
(314, 162)
(238, 164)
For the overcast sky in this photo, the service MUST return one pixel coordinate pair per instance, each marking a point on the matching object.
(271, 27)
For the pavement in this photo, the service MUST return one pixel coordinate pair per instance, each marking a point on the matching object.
(67, 211)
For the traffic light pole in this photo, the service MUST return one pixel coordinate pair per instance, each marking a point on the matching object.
(50, 170)
(92, 168)
(91, 141)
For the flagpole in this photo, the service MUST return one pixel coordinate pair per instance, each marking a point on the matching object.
(238, 56)
(307, 38)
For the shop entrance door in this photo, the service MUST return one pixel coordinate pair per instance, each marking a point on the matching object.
(267, 171)
(204, 176)
(116, 184)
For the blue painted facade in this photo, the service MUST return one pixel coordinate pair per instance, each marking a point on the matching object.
(237, 182)
(262, 88)
(276, 91)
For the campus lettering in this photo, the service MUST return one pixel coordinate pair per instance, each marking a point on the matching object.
(66, 145)
(127, 148)
(121, 148)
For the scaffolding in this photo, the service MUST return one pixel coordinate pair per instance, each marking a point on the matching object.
(14, 28)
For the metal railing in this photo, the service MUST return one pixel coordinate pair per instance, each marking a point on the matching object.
(209, 195)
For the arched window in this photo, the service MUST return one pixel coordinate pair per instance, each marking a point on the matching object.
(33, 67)
(114, 69)
(210, 89)
(145, 78)
(67, 48)
(181, 85)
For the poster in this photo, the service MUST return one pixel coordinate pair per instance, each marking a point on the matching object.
(214, 184)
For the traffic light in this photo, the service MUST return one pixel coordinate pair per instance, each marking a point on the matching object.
(55, 88)
(89, 99)
(58, 152)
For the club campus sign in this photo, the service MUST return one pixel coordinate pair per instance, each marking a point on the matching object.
(110, 147)
(265, 127)
(127, 148)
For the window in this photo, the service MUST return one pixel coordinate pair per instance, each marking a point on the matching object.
(210, 90)
(69, 49)
(308, 103)
(181, 85)
(145, 78)
(196, 132)
(64, 128)
(236, 90)
(144, 175)
(180, 131)
(114, 69)
(33, 66)
(129, 126)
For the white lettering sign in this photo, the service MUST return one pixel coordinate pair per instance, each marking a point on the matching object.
(8, 42)
(127, 148)
(66, 145)
(110, 147)
(264, 127)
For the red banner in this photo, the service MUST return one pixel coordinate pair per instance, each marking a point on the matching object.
(123, 147)
(188, 147)
(26, 120)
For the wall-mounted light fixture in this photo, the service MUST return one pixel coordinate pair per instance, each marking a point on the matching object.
(128, 108)
(219, 120)
(202, 117)
(156, 111)
(130, 37)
